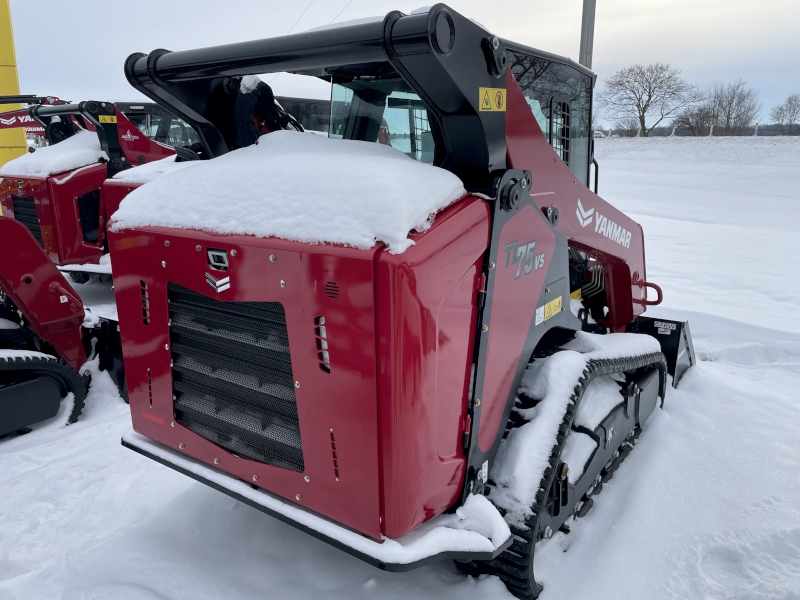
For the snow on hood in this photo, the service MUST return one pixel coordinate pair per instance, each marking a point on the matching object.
(153, 170)
(299, 187)
(80, 150)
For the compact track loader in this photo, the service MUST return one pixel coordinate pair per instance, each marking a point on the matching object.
(375, 400)
(65, 215)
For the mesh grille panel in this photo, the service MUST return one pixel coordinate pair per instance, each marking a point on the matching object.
(232, 376)
(25, 213)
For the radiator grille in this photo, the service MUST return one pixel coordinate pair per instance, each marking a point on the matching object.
(232, 376)
(25, 213)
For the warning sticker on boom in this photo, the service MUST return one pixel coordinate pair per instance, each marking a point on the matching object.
(107, 119)
(492, 99)
(551, 309)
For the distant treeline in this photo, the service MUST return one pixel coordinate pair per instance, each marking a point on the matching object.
(654, 99)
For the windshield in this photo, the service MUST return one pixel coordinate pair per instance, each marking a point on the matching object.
(387, 112)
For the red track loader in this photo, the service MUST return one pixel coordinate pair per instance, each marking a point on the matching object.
(397, 405)
(54, 219)
(59, 219)
(66, 210)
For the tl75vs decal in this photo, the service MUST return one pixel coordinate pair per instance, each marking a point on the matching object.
(524, 256)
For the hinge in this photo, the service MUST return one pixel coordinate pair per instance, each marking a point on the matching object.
(482, 290)
(465, 430)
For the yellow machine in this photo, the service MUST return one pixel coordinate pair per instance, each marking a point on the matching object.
(12, 141)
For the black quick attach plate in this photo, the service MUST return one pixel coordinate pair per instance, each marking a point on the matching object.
(676, 343)
(383, 566)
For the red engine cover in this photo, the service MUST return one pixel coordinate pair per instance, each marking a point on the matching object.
(400, 343)
(56, 201)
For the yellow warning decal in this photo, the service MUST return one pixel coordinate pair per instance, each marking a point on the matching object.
(552, 308)
(492, 99)
(107, 119)
(576, 295)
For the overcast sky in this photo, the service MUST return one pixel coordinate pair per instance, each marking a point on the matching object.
(75, 50)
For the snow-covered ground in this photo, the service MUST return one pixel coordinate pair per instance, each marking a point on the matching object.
(708, 506)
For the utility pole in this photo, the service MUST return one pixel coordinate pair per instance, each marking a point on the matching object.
(587, 33)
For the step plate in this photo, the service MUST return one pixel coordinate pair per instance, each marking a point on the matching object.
(404, 554)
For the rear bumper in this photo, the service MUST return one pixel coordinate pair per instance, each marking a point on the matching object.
(429, 543)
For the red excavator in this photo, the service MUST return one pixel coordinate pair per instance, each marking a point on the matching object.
(462, 399)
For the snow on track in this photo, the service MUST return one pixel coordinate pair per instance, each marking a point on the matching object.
(707, 506)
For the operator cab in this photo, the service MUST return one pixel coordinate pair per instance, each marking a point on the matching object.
(374, 108)
(159, 124)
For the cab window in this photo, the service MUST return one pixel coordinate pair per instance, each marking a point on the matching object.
(560, 99)
(386, 112)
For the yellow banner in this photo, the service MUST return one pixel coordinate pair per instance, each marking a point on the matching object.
(107, 119)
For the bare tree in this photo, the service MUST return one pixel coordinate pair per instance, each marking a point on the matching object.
(736, 108)
(596, 118)
(787, 115)
(626, 126)
(646, 92)
(697, 118)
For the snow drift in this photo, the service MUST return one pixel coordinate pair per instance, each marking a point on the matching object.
(78, 151)
(299, 187)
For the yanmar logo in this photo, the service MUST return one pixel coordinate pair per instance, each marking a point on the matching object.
(584, 216)
(220, 285)
(524, 256)
(16, 119)
(603, 225)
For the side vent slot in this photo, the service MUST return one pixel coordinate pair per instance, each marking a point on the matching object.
(332, 289)
(335, 458)
(322, 344)
(145, 303)
(150, 386)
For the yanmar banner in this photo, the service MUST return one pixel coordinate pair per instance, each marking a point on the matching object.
(20, 118)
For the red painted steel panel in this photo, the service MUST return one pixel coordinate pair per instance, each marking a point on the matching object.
(35, 187)
(64, 191)
(343, 400)
(113, 193)
(136, 147)
(40, 291)
(528, 149)
(426, 301)
(514, 303)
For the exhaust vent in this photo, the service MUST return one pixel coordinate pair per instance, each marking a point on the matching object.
(232, 376)
(25, 213)
(321, 334)
(145, 302)
(335, 457)
(332, 289)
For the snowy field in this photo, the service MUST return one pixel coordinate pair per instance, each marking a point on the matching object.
(708, 506)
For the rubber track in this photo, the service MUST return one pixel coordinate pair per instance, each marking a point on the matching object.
(514, 566)
(63, 375)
